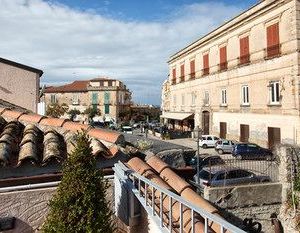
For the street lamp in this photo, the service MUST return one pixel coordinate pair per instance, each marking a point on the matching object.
(199, 131)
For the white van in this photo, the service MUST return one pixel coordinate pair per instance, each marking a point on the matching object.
(127, 129)
(208, 141)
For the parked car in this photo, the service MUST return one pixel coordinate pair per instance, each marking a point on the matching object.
(224, 146)
(208, 141)
(251, 151)
(208, 160)
(97, 124)
(136, 125)
(127, 130)
(220, 176)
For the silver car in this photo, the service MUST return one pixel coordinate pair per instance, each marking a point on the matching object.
(217, 176)
(224, 146)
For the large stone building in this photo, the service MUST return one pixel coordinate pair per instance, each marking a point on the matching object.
(241, 81)
(110, 96)
(19, 84)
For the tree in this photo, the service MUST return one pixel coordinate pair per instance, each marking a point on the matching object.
(79, 204)
(92, 112)
(56, 110)
(73, 113)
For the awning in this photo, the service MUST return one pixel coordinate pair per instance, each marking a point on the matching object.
(176, 115)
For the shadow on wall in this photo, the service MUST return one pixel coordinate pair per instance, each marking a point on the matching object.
(20, 227)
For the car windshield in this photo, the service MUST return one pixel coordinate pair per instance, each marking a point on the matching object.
(204, 175)
(213, 161)
(127, 129)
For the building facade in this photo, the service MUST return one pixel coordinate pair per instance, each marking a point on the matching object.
(241, 81)
(110, 96)
(19, 84)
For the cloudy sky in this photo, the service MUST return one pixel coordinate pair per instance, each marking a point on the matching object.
(130, 40)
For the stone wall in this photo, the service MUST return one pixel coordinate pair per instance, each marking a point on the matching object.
(30, 207)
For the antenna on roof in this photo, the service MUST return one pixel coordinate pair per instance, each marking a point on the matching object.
(42, 90)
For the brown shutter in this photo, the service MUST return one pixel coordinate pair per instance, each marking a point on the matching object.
(182, 72)
(273, 40)
(174, 76)
(192, 67)
(223, 58)
(205, 64)
(244, 50)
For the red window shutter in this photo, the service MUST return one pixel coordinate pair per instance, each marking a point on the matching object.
(244, 50)
(174, 73)
(273, 40)
(205, 64)
(182, 72)
(223, 58)
(192, 68)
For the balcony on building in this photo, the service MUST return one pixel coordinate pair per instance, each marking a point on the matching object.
(273, 51)
(192, 75)
(223, 66)
(205, 71)
(244, 60)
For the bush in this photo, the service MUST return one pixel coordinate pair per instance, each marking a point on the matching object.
(73, 113)
(56, 110)
(79, 204)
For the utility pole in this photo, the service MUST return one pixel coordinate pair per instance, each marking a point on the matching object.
(198, 155)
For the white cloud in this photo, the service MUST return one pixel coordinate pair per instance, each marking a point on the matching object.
(69, 44)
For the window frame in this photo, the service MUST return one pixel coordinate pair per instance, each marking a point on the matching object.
(75, 99)
(223, 97)
(274, 86)
(53, 99)
(245, 100)
(206, 98)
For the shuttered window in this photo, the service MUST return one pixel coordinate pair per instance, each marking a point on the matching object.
(245, 95)
(244, 50)
(182, 73)
(205, 64)
(273, 46)
(223, 58)
(174, 76)
(192, 68)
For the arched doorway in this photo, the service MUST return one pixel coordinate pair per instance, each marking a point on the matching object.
(205, 122)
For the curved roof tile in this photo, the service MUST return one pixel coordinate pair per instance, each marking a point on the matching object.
(55, 122)
(106, 135)
(34, 118)
(74, 126)
(12, 114)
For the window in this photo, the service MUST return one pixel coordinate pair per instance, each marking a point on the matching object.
(53, 99)
(106, 97)
(224, 97)
(174, 100)
(94, 98)
(174, 76)
(274, 93)
(244, 50)
(194, 98)
(273, 46)
(223, 58)
(192, 69)
(205, 64)
(182, 73)
(75, 99)
(245, 95)
(206, 98)
(182, 100)
(106, 108)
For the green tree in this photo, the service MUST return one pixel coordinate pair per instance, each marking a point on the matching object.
(79, 204)
(73, 113)
(56, 110)
(92, 112)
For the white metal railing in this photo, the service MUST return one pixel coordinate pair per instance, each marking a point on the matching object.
(144, 189)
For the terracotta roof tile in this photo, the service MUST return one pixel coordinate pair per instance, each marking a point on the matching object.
(55, 122)
(12, 114)
(76, 86)
(74, 126)
(34, 118)
(2, 110)
(106, 135)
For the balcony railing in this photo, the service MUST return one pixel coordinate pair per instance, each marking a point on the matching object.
(223, 66)
(173, 81)
(205, 71)
(243, 60)
(152, 197)
(181, 78)
(192, 75)
(273, 51)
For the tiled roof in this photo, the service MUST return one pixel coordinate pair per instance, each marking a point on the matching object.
(76, 86)
(39, 140)
(161, 173)
(4, 104)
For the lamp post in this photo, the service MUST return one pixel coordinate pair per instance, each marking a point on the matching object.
(198, 154)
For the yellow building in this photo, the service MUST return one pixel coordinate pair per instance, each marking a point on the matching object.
(241, 81)
(110, 96)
